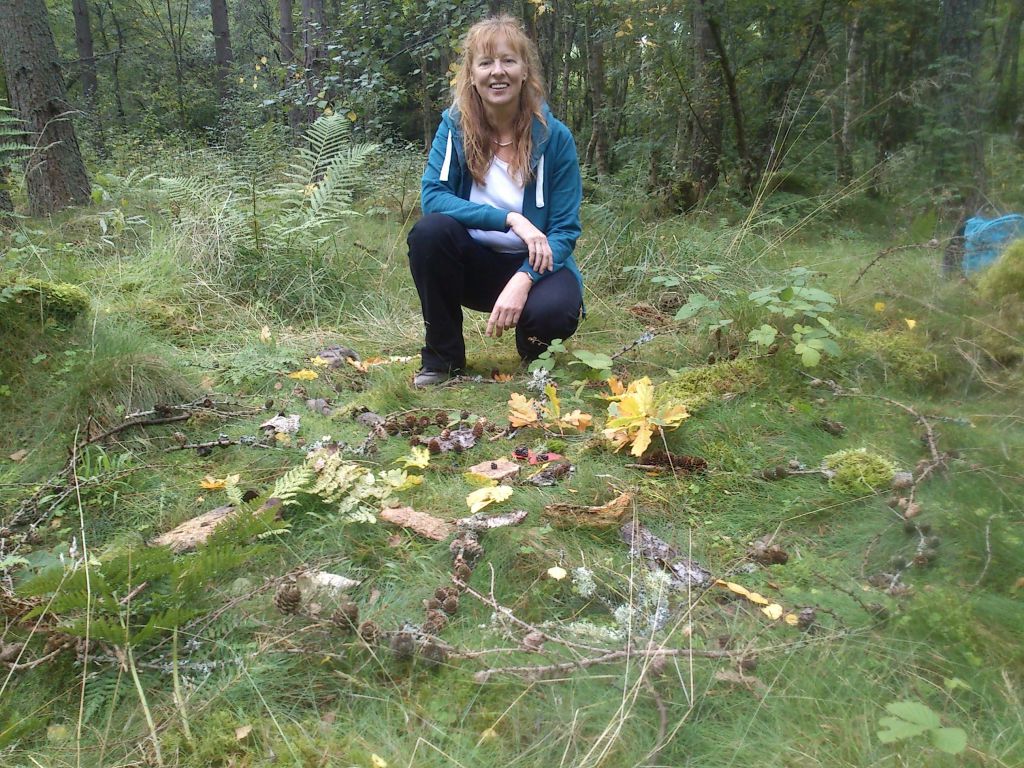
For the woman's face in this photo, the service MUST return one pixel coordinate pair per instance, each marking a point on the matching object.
(499, 74)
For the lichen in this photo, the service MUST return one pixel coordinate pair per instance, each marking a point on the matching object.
(857, 471)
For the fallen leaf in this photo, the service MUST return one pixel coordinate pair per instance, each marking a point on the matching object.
(497, 470)
(18, 455)
(242, 731)
(773, 611)
(792, 619)
(565, 515)
(304, 375)
(376, 761)
(577, 420)
(911, 324)
(879, 306)
(738, 678)
(265, 336)
(522, 412)
(212, 483)
(418, 457)
(557, 573)
(424, 524)
(502, 377)
(482, 497)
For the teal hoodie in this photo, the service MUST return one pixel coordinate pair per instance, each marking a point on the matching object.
(551, 200)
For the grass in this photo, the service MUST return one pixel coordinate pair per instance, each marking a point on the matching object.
(260, 688)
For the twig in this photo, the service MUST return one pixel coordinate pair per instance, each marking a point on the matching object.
(15, 667)
(220, 442)
(988, 552)
(531, 670)
(659, 702)
(931, 244)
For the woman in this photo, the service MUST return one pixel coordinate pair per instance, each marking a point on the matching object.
(501, 196)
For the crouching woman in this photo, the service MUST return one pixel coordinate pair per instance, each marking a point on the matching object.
(501, 198)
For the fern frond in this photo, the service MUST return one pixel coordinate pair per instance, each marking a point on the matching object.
(291, 483)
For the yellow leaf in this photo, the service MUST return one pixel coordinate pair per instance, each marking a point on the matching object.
(615, 386)
(773, 611)
(503, 377)
(483, 497)
(258, 67)
(792, 619)
(265, 336)
(557, 573)
(318, 362)
(242, 731)
(376, 761)
(304, 375)
(879, 306)
(212, 483)
(328, 110)
(241, 79)
(554, 408)
(352, 116)
(577, 420)
(910, 323)
(418, 457)
(641, 440)
(522, 412)
(263, 59)
(487, 734)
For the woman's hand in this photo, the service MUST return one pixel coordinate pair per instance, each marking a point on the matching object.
(541, 258)
(509, 305)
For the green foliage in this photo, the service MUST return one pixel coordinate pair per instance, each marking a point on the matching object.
(912, 718)
(62, 301)
(12, 134)
(1005, 278)
(900, 354)
(857, 471)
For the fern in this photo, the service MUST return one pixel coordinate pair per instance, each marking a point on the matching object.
(291, 483)
(12, 133)
(102, 693)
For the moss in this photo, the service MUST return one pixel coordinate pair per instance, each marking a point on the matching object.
(63, 301)
(857, 471)
(1006, 276)
(899, 353)
(697, 387)
(1002, 331)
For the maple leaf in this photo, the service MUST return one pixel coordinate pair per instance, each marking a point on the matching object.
(522, 412)
(635, 417)
(483, 497)
(418, 457)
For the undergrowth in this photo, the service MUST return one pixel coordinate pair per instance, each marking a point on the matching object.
(199, 659)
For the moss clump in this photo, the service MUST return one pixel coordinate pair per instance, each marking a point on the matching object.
(900, 354)
(1005, 277)
(857, 471)
(697, 387)
(1002, 332)
(62, 301)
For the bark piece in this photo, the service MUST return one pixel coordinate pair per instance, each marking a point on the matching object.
(317, 585)
(499, 470)
(660, 555)
(191, 533)
(565, 515)
(484, 522)
(422, 523)
(551, 474)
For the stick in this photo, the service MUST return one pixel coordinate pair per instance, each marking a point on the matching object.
(606, 658)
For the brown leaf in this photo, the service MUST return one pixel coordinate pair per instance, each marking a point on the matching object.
(422, 523)
(242, 731)
(18, 455)
(195, 531)
(565, 515)
(499, 470)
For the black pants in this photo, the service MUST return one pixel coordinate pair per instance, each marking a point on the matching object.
(451, 271)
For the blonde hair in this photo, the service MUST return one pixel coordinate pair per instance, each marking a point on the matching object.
(478, 134)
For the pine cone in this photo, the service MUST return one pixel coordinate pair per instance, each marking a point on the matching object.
(433, 654)
(347, 616)
(450, 605)
(441, 593)
(403, 646)
(410, 420)
(462, 571)
(435, 623)
(434, 445)
(432, 603)
(369, 632)
(478, 429)
(288, 598)
(806, 618)
(441, 419)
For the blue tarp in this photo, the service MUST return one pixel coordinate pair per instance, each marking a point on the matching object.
(985, 239)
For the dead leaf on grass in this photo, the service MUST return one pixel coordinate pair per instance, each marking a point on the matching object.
(564, 515)
(735, 677)
(424, 524)
(482, 497)
(242, 731)
(18, 456)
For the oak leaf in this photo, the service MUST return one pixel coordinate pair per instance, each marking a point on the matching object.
(522, 412)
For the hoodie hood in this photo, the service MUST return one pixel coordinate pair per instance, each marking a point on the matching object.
(540, 134)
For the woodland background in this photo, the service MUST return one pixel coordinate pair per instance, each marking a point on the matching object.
(783, 377)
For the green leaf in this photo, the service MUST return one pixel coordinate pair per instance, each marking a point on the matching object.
(898, 730)
(952, 741)
(808, 355)
(597, 360)
(786, 293)
(914, 712)
(764, 336)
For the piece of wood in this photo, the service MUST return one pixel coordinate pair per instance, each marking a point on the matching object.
(424, 524)
(565, 515)
(498, 470)
(191, 533)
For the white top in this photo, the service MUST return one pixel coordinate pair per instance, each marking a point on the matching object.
(505, 192)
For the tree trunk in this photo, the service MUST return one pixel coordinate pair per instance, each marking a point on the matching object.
(597, 148)
(1005, 75)
(54, 172)
(86, 57)
(6, 204)
(221, 46)
(704, 123)
(850, 97)
(959, 147)
(312, 52)
(288, 58)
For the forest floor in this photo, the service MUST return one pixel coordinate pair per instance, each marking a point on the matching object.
(768, 613)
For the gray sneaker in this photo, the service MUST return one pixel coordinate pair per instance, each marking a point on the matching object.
(429, 378)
